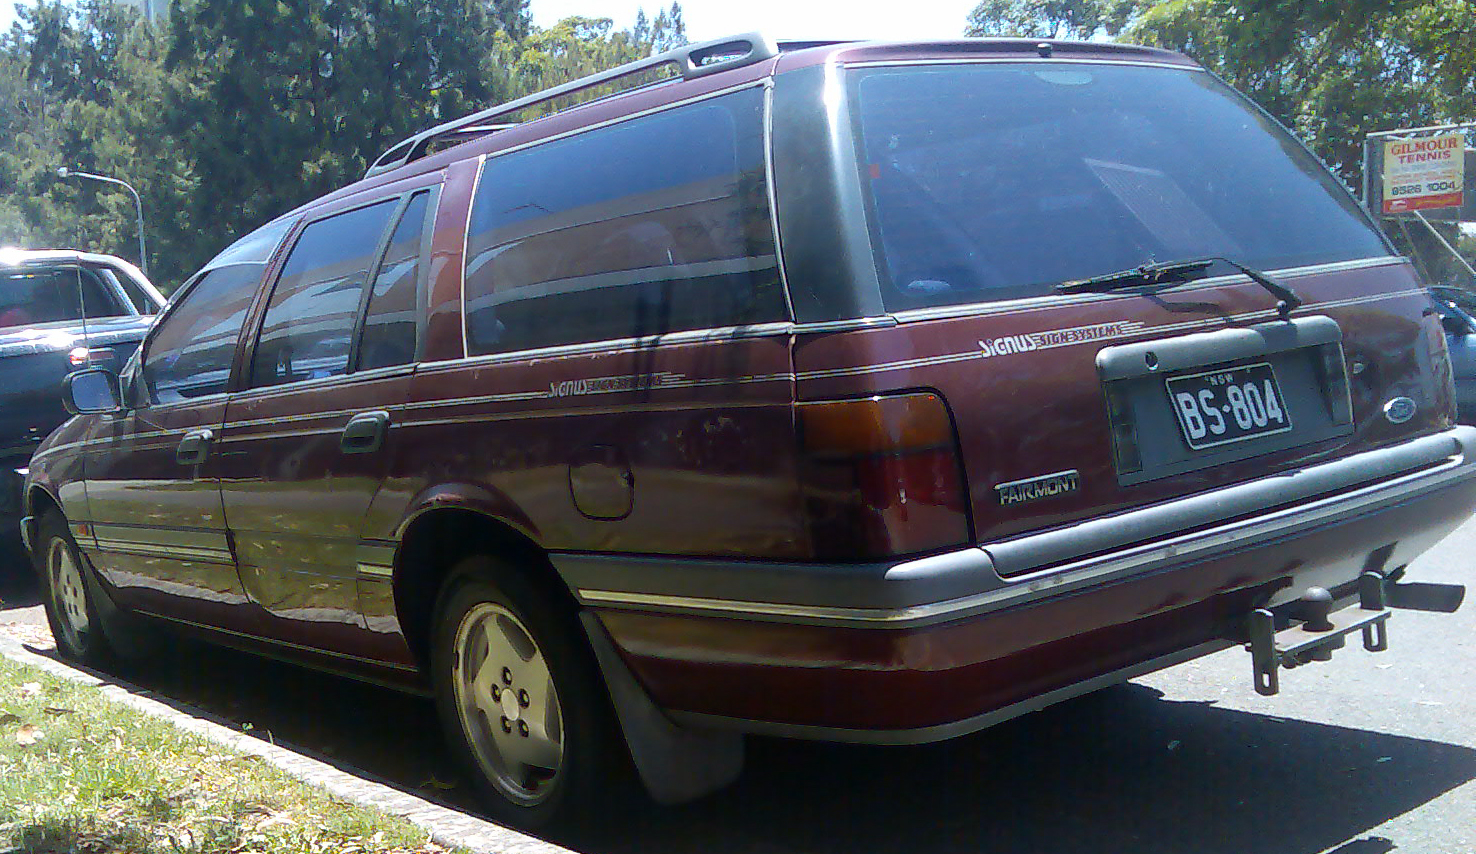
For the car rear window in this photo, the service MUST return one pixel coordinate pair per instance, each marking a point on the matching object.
(55, 295)
(996, 181)
(652, 225)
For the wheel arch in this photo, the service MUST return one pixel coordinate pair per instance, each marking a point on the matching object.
(38, 502)
(430, 546)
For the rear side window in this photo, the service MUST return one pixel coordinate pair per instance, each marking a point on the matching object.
(653, 225)
(189, 353)
(54, 295)
(142, 301)
(389, 325)
(998, 181)
(309, 323)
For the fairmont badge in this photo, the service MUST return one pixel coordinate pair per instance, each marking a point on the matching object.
(1037, 488)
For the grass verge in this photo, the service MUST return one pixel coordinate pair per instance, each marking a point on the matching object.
(79, 773)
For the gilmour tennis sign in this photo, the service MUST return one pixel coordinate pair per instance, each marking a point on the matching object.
(1424, 173)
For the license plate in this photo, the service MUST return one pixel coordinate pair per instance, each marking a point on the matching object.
(1228, 405)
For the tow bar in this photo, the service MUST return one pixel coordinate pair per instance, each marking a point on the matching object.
(1322, 632)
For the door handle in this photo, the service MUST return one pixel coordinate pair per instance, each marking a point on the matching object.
(194, 447)
(364, 433)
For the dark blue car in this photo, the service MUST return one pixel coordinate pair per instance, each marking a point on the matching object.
(59, 310)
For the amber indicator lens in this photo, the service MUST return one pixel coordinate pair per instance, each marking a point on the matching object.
(876, 425)
(881, 477)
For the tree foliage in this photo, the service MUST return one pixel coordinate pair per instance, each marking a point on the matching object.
(1332, 70)
(234, 111)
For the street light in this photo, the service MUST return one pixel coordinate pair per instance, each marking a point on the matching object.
(143, 258)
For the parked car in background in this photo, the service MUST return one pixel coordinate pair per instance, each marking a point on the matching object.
(872, 392)
(1455, 306)
(60, 310)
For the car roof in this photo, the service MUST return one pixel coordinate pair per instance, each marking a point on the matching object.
(13, 257)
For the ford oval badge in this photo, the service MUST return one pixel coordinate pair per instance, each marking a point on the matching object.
(1399, 410)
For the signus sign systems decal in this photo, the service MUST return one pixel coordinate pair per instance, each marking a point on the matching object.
(1424, 173)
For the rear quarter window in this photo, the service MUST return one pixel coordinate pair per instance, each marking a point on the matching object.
(656, 224)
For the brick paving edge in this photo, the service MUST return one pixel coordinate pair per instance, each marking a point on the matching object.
(446, 826)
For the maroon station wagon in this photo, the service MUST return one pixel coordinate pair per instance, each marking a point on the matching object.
(871, 392)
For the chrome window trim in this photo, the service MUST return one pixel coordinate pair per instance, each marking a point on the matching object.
(613, 345)
(1057, 300)
(286, 389)
(883, 321)
(773, 200)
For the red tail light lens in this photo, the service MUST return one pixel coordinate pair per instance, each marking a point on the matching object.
(882, 477)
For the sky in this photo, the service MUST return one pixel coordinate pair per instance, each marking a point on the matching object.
(780, 19)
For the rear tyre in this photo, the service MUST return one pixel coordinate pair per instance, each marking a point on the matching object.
(70, 606)
(522, 701)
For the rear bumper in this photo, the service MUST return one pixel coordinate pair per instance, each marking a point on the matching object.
(929, 648)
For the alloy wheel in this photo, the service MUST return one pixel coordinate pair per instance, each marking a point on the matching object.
(68, 591)
(508, 705)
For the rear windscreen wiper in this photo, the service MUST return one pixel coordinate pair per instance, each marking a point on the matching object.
(1178, 272)
(1153, 273)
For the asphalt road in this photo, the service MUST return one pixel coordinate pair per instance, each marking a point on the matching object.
(1366, 754)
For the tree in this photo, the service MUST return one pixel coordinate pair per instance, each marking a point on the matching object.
(280, 103)
(236, 111)
(1048, 19)
(1331, 71)
(78, 89)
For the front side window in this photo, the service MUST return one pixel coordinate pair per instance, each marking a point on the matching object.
(189, 353)
(996, 181)
(653, 225)
(309, 323)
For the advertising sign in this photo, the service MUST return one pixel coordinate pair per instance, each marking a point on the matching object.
(1424, 173)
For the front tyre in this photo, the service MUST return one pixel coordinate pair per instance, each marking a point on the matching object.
(521, 698)
(70, 609)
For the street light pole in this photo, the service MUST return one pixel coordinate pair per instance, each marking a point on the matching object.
(143, 258)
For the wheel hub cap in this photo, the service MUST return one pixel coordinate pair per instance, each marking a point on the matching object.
(71, 596)
(507, 703)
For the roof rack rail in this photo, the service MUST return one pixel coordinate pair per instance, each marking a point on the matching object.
(693, 61)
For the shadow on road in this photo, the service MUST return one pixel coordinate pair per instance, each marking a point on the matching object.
(1122, 770)
(17, 582)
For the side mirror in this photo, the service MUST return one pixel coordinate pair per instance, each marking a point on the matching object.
(91, 391)
(1454, 325)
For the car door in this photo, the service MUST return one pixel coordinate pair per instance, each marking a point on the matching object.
(305, 441)
(154, 501)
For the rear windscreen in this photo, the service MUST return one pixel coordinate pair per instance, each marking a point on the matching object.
(29, 297)
(997, 181)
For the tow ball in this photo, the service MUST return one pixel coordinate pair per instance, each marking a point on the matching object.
(1320, 631)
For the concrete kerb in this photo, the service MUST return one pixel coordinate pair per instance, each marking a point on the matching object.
(446, 826)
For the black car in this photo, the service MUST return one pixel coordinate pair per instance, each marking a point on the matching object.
(59, 310)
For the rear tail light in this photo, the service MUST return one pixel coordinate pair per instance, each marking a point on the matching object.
(881, 476)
